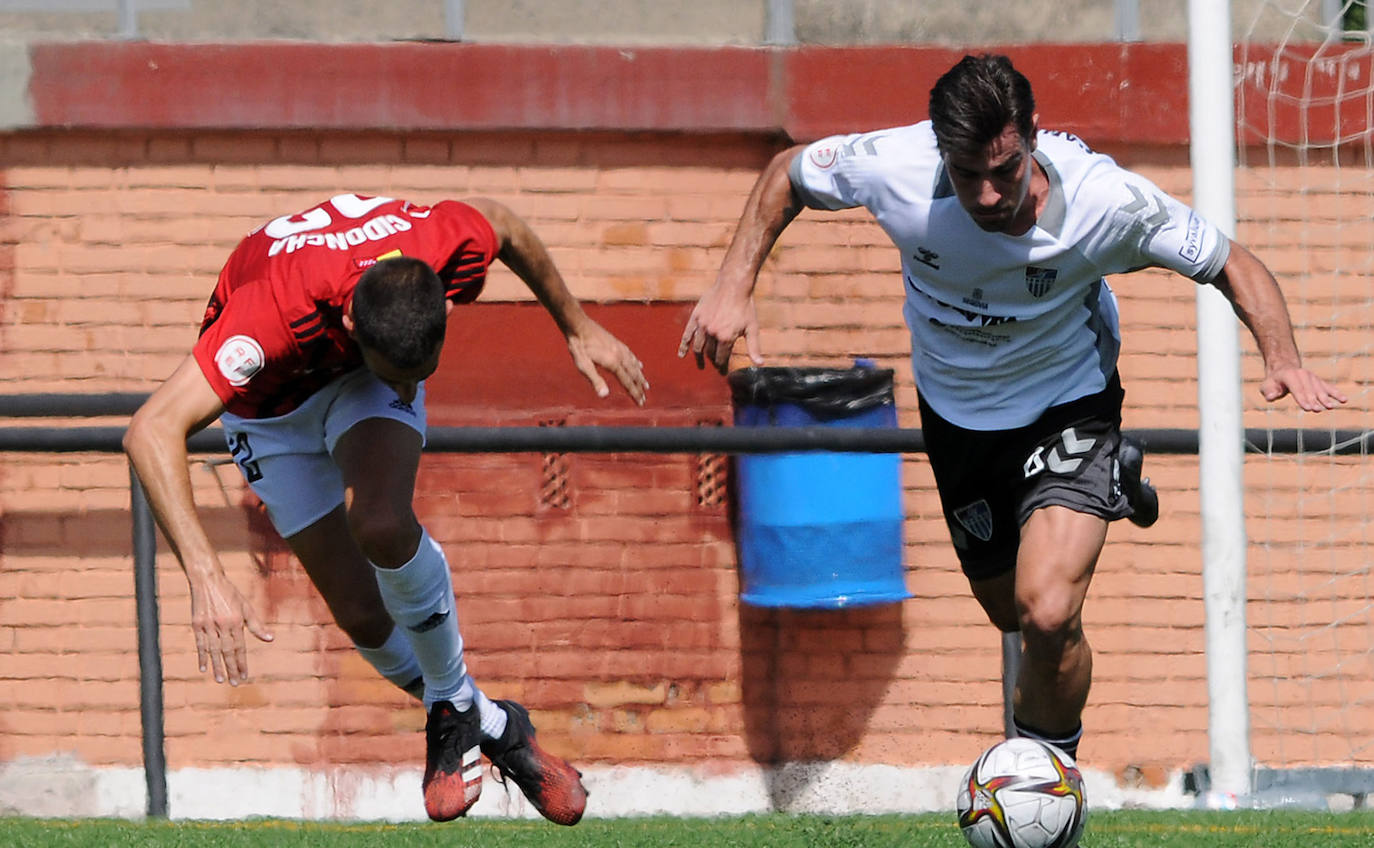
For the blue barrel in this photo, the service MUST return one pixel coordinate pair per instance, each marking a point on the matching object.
(818, 529)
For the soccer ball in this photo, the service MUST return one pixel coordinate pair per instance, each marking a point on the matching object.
(1022, 793)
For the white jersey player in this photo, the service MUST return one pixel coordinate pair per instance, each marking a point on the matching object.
(1031, 314)
(1007, 233)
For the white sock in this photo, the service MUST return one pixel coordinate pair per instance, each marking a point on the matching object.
(419, 596)
(395, 659)
(493, 718)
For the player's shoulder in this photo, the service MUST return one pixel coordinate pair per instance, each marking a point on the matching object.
(1076, 163)
(870, 164)
(465, 213)
(1094, 185)
(871, 147)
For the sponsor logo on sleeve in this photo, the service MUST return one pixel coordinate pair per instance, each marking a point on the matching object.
(239, 358)
(1192, 239)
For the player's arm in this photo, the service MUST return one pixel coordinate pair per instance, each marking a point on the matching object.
(726, 311)
(590, 344)
(156, 445)
(1258, 302)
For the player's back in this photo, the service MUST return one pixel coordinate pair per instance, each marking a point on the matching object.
(285, 288)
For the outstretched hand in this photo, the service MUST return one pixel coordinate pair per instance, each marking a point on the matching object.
(1311, 392)
(219, 615)
(716, 323)
(592, 347)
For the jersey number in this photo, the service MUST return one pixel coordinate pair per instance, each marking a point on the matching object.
(347, 205)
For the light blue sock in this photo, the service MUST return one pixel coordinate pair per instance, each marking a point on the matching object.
(419, 596)
(395, 659)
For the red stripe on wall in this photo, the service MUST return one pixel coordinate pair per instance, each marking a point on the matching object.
(397, 86)
(1108, 93)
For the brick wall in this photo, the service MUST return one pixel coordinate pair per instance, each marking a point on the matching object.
(612, 613)
(601, 590)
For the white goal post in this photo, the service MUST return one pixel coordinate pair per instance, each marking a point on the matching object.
(1282, 125)
(1221, 485)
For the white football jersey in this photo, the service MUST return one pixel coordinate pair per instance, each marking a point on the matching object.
(1004, 327)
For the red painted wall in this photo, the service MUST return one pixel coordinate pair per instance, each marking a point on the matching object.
(1111, 93)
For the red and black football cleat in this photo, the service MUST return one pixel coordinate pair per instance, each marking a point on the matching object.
(453, 761)
(550, 783)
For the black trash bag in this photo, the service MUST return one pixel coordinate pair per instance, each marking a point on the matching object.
(824, 393)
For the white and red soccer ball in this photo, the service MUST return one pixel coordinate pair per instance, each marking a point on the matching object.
(1021, 793)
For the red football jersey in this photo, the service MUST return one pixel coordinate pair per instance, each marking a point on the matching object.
(273, 333)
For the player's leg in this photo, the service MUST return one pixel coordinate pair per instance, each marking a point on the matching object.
(1059, 550)
(348, 584)
(285, 462)
(1069, 490)
(376, 444)
(971, 469)
(378, 459)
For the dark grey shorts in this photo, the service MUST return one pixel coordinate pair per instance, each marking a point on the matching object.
(990, 481)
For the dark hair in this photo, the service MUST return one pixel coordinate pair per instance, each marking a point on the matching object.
(398, 311)
(974, 101)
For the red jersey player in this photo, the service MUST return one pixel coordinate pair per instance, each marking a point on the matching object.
(313, 354)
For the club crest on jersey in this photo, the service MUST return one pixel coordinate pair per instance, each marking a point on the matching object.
(239, 358)
(1039, 280)
(976, 518)
(823, 156)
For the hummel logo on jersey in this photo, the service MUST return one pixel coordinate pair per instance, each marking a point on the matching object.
(1056, 462)
(402, 406)
(926, 257)
(430, 623)
(1040, 280)
(1140, 204)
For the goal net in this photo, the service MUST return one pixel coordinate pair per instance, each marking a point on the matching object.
(1305, 204)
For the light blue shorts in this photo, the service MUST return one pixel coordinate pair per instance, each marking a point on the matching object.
(288, 459)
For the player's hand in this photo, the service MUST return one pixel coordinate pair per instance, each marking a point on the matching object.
(218, 617)
(592, 346)
(716, 323)
(1311, 392)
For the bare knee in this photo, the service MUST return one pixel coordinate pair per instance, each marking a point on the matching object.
(1003, 617)
(388, 537)
(1049, 619)
(997, 597)
(367, 624)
